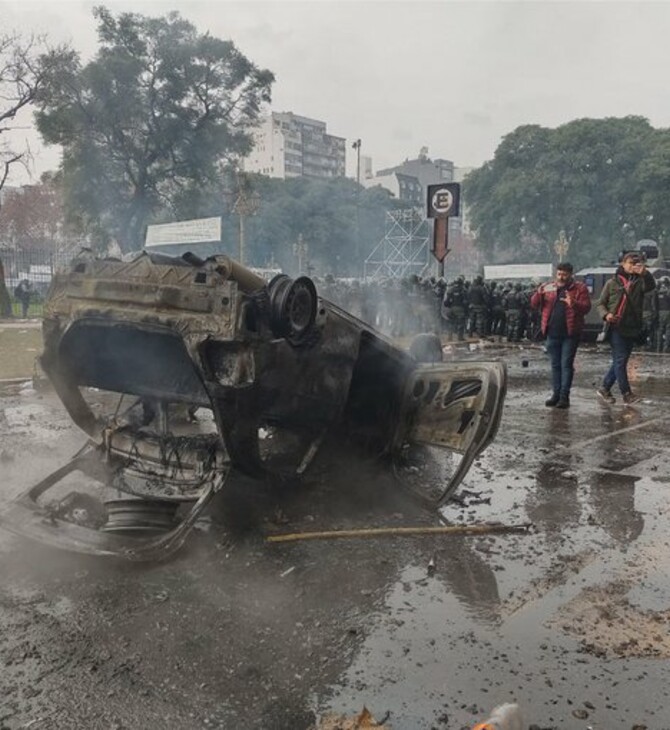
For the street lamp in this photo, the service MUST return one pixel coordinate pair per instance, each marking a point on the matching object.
(357, 146)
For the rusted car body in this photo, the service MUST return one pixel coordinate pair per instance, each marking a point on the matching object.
(132, 348)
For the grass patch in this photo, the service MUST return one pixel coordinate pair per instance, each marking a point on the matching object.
(35, 309)
(18, 349)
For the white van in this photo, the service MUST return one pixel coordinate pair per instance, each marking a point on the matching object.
(595, 279)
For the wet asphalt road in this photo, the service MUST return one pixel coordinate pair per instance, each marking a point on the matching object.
(570, 621)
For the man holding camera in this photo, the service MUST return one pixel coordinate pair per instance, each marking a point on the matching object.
(562, 304)
(621, 305)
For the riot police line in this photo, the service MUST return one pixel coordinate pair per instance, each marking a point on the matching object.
(467, 308)
(458, 309)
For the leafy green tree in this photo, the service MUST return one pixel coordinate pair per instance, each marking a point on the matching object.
(149, 121)
(653, 180)
(591, 178)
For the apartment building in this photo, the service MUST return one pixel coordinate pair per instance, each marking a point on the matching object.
(425, 170)
(406, 188)
(409, 180)
(288, 145)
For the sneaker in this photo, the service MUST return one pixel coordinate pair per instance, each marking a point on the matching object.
(629, 398)
(551, 402)
(563, 403)
(605, 395)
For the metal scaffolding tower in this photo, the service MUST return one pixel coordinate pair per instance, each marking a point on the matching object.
(404, 250)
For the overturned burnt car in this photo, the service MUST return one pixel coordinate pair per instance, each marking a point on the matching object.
(134, 348)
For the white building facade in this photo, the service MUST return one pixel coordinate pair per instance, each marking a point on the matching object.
(287, 145)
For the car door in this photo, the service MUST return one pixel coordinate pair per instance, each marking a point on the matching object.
(457, 406)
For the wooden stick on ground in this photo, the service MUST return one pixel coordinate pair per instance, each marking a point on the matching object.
(487, 528)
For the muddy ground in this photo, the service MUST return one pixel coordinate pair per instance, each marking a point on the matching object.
(570, 620)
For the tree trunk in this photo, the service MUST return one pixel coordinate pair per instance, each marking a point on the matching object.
(130, 234)
(5, 301)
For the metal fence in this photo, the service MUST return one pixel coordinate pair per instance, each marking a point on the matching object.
(36, 266)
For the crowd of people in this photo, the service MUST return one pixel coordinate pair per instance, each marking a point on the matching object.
(469, 308)
(460, 308)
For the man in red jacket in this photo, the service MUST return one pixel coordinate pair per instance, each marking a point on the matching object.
(563, 304)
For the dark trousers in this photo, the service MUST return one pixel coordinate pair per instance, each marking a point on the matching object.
(513, 318)
(562, 351)
(478, 320)
(663, 332)
(618, 372)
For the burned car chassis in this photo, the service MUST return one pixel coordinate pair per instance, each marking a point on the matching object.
(168, 335)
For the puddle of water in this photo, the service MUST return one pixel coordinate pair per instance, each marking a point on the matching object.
(427, 661)
(477, 633)
(400, 668)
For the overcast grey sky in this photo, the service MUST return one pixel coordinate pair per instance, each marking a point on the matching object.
(450, 75)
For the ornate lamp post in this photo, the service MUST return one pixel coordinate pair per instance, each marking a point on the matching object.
(301, 250)
(561, 246)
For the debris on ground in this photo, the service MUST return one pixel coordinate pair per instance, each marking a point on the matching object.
(363, 721)
(468, 498)
(488, 528)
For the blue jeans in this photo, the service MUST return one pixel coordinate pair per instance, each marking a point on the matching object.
(618, 372)
(562, 351)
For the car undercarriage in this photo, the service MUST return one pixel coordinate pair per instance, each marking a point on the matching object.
(183, 371)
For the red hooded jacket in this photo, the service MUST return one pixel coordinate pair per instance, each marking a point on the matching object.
(544, 299)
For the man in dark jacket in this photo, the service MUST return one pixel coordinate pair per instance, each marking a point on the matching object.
(23, 292)
(621, 305)
(454, 309)
(478, 297)
(562, 304)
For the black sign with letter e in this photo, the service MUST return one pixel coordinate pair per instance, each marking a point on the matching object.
(444, 200)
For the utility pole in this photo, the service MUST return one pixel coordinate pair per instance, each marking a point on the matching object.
(357, 146)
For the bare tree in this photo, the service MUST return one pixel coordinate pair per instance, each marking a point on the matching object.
(25, 65)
